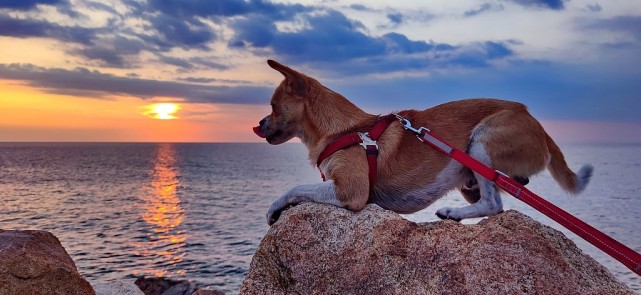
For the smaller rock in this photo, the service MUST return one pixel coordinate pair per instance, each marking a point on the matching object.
(163, 286)
(34, 262)
(117, 288)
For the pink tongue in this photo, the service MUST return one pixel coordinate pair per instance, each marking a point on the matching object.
(259, 132)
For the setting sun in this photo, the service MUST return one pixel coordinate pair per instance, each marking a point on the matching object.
(162, 111)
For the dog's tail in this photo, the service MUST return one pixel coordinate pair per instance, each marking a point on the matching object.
(568, 180)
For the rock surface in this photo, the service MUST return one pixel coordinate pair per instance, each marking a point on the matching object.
(322, 249)
(117, 288)
(163, 286)
(34, 262)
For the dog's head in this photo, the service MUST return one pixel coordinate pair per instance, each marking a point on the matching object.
(288, 107)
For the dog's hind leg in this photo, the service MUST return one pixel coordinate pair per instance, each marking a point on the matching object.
(470, 187)
(485, 199)
(483, 195)
(471, 191)
(511, 141)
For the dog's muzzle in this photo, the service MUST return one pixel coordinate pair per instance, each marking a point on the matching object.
(260, 129)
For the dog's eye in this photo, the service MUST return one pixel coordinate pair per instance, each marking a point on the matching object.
(273, 106)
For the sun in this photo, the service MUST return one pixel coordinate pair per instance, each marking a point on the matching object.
(162, 111)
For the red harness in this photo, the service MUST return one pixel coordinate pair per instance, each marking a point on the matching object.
(366, 139)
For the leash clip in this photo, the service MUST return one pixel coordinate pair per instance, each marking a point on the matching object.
(408, 126)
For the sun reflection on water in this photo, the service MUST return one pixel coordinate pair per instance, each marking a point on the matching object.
(164, 247)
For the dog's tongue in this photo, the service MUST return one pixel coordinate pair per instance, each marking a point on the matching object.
(259, 131)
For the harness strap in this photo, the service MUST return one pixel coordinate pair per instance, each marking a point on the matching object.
(367, 140)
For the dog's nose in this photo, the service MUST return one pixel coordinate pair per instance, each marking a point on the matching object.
(260, 129)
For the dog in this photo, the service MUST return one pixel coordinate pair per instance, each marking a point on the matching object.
(410, 175)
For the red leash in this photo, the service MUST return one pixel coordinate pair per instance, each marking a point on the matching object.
(630, 258)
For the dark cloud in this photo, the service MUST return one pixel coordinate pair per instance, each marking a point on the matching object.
(105, 57)
(179, 62)
(98, 6)
(496, 50)
(208, 63)
(329, 37)
(625, 24)
(87, 83)
(551, 4)
(332, 42)
(62, 6)
(483, 8)
(115, 52)
(27, 4)
(326, 37)
(395, 18)
(177, 23)
(225, 8)
(176, 32)
(25, 28)
(192, 63)
(211, 80)
(359, 7)
(594, 7)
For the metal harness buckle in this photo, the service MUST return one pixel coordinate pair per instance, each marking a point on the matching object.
(367, 141)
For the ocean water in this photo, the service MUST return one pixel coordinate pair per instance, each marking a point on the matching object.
(197, 211)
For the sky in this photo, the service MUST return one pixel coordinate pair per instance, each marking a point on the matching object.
(89, 70)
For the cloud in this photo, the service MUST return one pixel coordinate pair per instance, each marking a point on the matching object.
(179, 62)
(359, 7)
(25, 28)
(630, 25)
(176, 32)
(319, 37)
(331, 42)
(483, 8)
(551, 4)
(112, 51)
(395, 18)
(27, 4)
(62, 6)
(221, 8)
(594, 7)
(210, 80)
(192, 63)
(86, 83)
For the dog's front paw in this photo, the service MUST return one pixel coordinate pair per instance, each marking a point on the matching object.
(273, 214)
(448, 213)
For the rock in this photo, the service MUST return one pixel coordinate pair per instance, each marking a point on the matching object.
(116, 288)
(322, 249)
(34, 262)
(163, 286)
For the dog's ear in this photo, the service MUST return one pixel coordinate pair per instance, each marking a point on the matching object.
(296, 81)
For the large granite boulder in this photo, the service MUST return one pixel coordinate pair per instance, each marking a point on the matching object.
(34, 262)
(322, 249)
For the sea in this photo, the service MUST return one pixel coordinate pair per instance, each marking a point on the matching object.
(197, 210)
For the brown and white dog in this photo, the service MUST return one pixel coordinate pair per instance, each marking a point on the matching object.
(410, 174)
